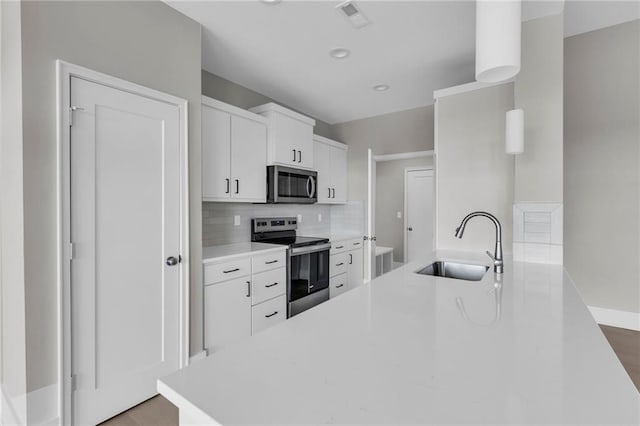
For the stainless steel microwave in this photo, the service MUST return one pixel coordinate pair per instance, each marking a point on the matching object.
(291, 185)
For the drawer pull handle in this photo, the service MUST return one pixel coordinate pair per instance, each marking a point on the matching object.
(270, 262)
(339, 247)
(341, 285)
(248, 288)
(340, 264)
(356, 244)
(270, 315)
(271, 285)
(231, 270)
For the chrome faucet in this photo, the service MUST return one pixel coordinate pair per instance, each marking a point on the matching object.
(498, 263)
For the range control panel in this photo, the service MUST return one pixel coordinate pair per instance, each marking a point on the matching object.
(269, 224)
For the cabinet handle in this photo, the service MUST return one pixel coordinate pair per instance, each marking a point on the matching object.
(248, 288)
(334, 192)
(231, 270)
(341, 285)
(350, 259)
(294, 155)
(299, 156)
(228, 184)
(356, 244)
(270, 262)
(339, 247)
(340, 264)
(271, 285)
(237, 186)
(329, 192)
(270, 315)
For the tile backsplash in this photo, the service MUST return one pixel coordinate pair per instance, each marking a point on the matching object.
(317, 219)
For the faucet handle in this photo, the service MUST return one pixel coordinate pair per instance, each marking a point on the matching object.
(495, 262)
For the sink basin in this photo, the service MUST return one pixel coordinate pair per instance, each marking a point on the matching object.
(459, 271)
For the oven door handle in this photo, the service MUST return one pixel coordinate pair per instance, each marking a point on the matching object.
(310, 249)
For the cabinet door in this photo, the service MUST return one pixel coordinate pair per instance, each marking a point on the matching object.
(337, 285)
(248, 160)
(355, 275)
(339, 173)
(227, 312)
(322, 160)
(294, 141)
(216, 153)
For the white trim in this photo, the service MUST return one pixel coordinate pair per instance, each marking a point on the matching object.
(330, 142)
(42, 405)
(214, 103)
(403, 156)
(13, 410)
(436, 199)
(405, 206)
(615, 318)
(464, 88)
(273, 107)
(64, 72)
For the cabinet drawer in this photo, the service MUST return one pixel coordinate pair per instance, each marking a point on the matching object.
(268, 313)
(337, 285)
(217, 272)
(338, 264)
(354, 243)
(267, 285)
(269, 261)
(338, 247)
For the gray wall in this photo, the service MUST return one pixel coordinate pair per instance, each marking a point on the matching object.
(148, 43)
(404, 131)
(12, 308)
(538, 91)
(473, 170)
(227, 91)
(602, 165)
(390, 201)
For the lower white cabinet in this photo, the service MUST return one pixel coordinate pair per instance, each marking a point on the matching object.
(346, 266)
(227, 313)
(238, 307)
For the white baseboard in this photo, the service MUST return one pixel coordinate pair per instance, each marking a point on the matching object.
(13, 410)
(614, 318)
(197, 357)
(42, 406)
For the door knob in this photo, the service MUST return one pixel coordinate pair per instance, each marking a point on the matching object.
(409, 229)
(172, 261)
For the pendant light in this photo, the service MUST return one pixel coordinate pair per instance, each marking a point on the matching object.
(514, 132)
(498, 33)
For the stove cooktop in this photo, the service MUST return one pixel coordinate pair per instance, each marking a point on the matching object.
(296, 241)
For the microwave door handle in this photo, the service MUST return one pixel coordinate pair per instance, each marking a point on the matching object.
(311, 192)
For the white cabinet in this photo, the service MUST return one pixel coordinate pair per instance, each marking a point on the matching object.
(346, 266)
(290, 139)
(243, 296)
(234, 153)
(331, 163)
(227, 313)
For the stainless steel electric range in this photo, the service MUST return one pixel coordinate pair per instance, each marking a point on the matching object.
(307, 261)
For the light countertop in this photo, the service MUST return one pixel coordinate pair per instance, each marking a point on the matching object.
(232, 251)
(416, 349)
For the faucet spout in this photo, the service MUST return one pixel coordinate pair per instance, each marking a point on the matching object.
(497, 257)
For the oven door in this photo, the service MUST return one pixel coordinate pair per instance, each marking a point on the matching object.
(290, 185)
(308, 271)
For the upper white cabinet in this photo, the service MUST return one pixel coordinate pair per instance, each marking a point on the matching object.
(290, 140)
(234, 153)
(331, 163)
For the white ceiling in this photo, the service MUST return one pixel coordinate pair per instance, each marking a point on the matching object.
(416, 47)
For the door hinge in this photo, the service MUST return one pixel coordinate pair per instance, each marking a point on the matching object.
(72, 109)
(74, 382)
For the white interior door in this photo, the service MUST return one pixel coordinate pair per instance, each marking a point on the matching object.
(419, 213)
(370, 246)
(125, 224)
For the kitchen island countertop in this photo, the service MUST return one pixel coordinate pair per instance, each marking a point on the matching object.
(417, 349)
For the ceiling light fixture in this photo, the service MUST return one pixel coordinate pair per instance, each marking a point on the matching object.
(498, 34)
(270, 2)
(339, 53)
(381, 87)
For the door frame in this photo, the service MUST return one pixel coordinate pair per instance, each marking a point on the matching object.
(64, 72)
(405, 232)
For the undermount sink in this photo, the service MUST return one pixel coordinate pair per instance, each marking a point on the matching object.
(459, 271)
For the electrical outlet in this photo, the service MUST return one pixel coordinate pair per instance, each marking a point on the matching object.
(399, 215)
(319, 217)
(236, 220)
(299, 218)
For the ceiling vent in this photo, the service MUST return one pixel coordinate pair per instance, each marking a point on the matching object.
(353, 14)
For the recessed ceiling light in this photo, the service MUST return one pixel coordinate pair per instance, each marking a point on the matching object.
(271, 1)
(381, 87)
(339, 52)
